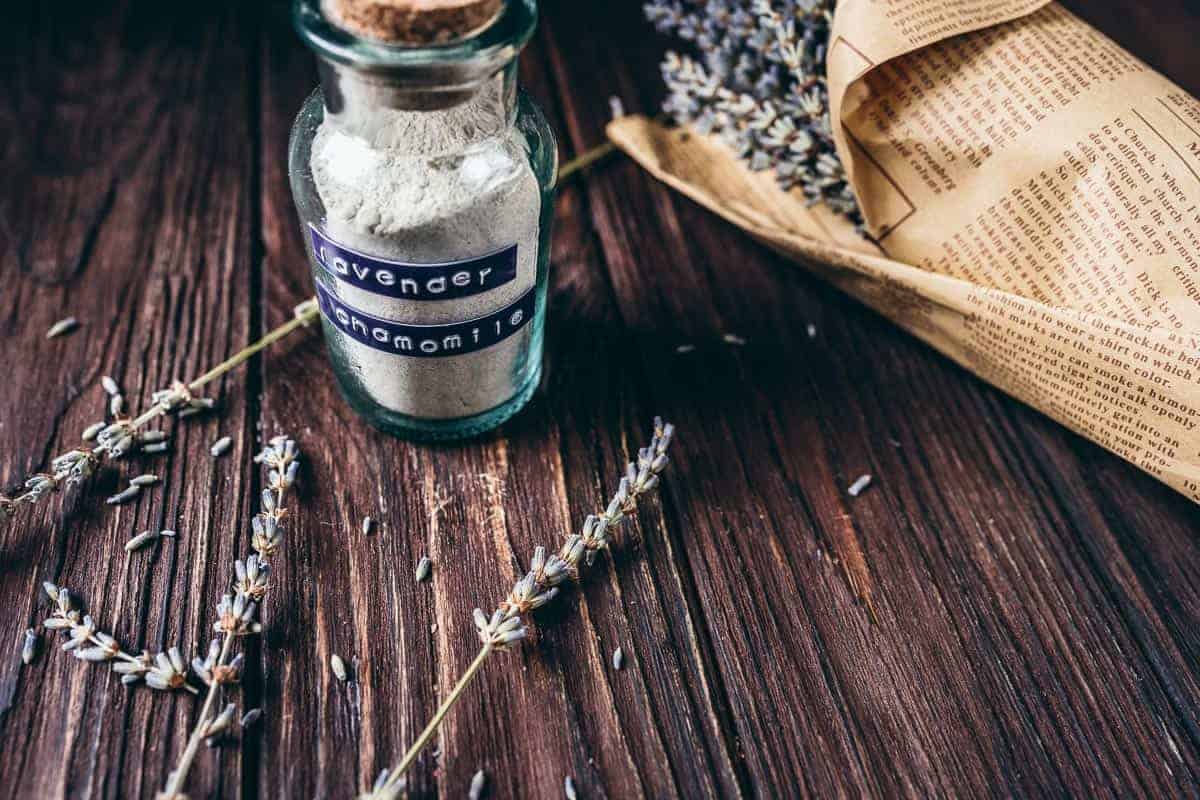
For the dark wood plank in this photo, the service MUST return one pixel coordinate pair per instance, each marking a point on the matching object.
(127, 151)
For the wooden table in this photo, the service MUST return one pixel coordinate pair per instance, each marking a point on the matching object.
(1037, 599)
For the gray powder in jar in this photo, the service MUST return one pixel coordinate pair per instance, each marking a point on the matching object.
(427, 187)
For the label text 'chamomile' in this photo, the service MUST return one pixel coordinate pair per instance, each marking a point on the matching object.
(426, 341)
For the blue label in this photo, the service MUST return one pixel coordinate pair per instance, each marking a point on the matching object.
(426, 341)
(447, 281)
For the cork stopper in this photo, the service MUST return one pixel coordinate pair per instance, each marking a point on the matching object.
(413, 22)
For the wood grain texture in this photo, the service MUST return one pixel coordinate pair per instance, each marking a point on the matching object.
(1037, 598)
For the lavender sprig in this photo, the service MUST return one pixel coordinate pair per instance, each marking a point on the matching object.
(123, 435)
(237, 611)
(507, 625)
(165, 671)
(758, 81)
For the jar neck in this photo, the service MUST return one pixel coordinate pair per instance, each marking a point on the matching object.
(390, 113)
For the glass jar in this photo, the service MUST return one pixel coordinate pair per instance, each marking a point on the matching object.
(424, 182)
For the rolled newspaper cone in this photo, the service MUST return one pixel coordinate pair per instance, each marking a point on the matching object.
(1032, 194)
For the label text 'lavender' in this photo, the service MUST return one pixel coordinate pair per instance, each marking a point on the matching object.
(446, 281)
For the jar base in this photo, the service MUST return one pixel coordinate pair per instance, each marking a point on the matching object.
(418, 429)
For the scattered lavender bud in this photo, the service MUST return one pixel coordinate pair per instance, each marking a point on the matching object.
(168, 533)
(116, 404)
(424, 566)
(618, 659)
(156, 447)
(141, 540)
(734, 339)
(251, 717)
(478, 784)
(148, 479)
(367, 525)
(110, 386)
(569, 788)
(339, 668)
(221, 446)
(616, 107)
(857, 487)
(63, 326)
(124, 496)
(93, 430)
(685, 348)
(29, 646)
(811, 330)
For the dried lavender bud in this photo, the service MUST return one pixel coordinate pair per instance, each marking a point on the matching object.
(569, 788)
(367, 525)
(124, 496)
(424, 567)
(110, 386)
(144, 480)
(478, 784)
(29, 646)
(63, 326)
(141, 540)
(116, 405)
(235, 615)
(93, 430)
(618, 658)
(339, 668)
(857, 487)
(251, 717)
(220, 724)
(168, 672)
(221, 446)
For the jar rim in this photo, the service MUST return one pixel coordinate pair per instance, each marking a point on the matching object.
(488, 49)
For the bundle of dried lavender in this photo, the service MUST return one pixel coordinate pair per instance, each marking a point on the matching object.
(506, 626)
(125, 434)
(237, 611)
(759, 83)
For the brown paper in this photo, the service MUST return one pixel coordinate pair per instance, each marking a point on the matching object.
(1033, 192)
